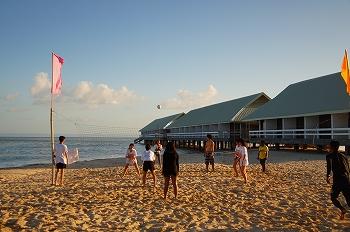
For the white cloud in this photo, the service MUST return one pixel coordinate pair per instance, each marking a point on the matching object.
(185, 99)
(84, 93)
(101, 94)
(41, 85)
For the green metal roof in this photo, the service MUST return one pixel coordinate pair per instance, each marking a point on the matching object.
(161, 123)
(224, 112)
(322, 95)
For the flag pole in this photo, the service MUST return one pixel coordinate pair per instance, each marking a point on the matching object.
(51, 126)
(347, 58)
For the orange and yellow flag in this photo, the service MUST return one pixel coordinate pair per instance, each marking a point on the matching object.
(345, 72)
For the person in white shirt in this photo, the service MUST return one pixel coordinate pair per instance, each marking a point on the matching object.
(242, 153)
(157, 151)
(130, 156)
(148, 159)
(61, 159)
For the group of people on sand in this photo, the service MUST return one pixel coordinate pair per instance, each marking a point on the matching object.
(169, 164)
(240, 156)
(337, 165)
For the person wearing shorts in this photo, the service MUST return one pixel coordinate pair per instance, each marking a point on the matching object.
(263, 154)
(338, 165)
(61, 159)
(131, 159)
(148, 158)
(209, 152)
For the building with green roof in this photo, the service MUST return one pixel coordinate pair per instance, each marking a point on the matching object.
(222, 120)
(308, 112)
(157, 129)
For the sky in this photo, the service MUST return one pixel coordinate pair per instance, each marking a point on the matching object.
(123, 58)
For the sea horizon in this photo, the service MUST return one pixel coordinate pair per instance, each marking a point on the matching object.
(18, 151)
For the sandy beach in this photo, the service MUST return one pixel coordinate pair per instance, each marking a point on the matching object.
(292, 196)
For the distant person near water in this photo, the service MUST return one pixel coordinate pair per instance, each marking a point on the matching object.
(148, 158)
(338, 164)
(61, 159)
(242, 153)
(157, 151)
(170, 168)
(263, 154)
(131, 159)
(209, 149)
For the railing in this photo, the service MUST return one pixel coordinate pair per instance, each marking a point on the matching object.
(200, 135)
(153, 136)
(317, 133)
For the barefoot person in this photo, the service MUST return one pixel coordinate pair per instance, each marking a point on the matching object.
(209, 152)
(157, 151)
(130, 156)
(170, 168)
(242, 153)
(263, 154)
(148, 158)
(338, 164)
(61, 159)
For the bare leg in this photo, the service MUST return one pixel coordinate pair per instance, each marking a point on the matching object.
(56, 175)
(207, 166)
(244, 173)
(137, 169)
(125, 170)
(144, 178)
(61, 177)
(212, 166)
(235, 162)
(154, 180)
(166, 186)
(174, 182)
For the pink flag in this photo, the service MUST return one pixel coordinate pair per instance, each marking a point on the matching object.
(57, 63)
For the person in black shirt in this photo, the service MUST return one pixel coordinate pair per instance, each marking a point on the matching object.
(338, 164)
(170, 167)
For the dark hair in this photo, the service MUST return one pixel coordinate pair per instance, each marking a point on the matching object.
(170, 147)
(61, 138)
(131, 144)
(334, 144)
(209, 136)
(241, 141)
(148, 146)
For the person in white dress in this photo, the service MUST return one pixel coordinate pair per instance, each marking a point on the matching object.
(242, 153)
(131, 159)
(157, 152)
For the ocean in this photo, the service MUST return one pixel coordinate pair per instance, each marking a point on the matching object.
(21, 151)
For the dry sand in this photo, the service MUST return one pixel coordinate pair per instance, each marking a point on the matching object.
(292, 196)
